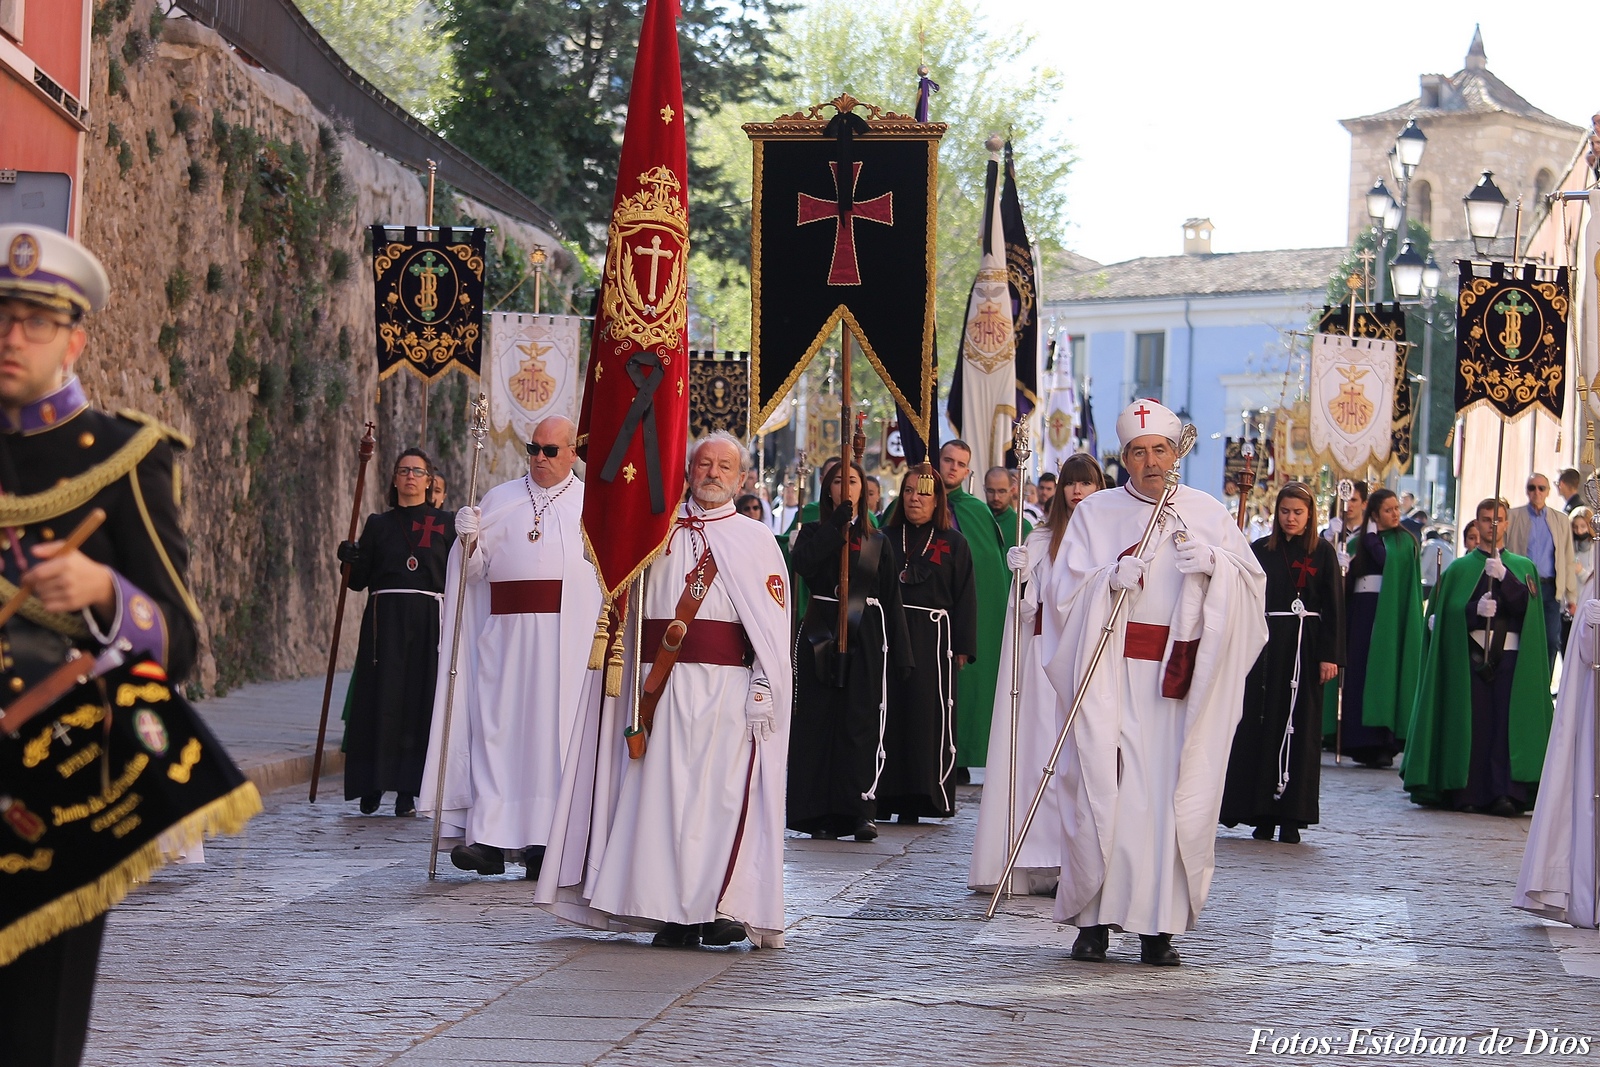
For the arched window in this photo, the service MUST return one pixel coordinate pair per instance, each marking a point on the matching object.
(1422, 204)
(1543, 182)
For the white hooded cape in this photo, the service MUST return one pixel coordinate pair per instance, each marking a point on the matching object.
(1226, 612)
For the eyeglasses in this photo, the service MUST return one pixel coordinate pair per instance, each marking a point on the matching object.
(1538, 488)
(412, 472)
(550, 451)
(40, 329)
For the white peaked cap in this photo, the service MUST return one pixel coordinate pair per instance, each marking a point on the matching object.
(1144, 417)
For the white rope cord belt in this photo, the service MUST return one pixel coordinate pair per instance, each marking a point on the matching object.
(882, 755)
(420, 592)
(943, 643)
(1297, 610)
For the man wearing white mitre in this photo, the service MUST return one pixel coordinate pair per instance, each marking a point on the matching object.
(1143, 771)
(695, 851)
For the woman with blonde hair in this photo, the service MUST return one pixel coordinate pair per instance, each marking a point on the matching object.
(1039, 866)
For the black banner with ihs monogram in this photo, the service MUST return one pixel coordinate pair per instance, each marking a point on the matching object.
(428, 298)
(1511, 339)
(1384, 322)
(719, 393)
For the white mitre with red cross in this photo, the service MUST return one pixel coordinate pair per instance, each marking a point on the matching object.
(1144, 417)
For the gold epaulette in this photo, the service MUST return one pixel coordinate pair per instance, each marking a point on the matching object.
(171, 433)
(72, 493)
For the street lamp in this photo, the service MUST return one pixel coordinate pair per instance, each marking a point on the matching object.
(1405, 273)
(1486, 207)
(1409, 147)
(1378, 201)
(1387, 214)
(1431, 275)
(1417, 282)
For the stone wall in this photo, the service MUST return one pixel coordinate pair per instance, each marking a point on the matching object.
(231, 218)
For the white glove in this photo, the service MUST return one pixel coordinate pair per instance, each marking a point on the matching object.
(1196, 558)
(467, 520)
(1591, 612)
(759, 713)
(1486, 606)
(1344, 560)
(1129, 573)
(1017, 559)
(1431, 620)
(1336, 525)
(1494, 568)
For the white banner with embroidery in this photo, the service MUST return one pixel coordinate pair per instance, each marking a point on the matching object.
(533, 371)
(1352, 402)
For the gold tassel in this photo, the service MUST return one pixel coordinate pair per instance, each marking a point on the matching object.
(177, 484)
(1587, 458)
(1558, 439)
(614, 663)
(925, 478)
(1450, 438)
(602, 633)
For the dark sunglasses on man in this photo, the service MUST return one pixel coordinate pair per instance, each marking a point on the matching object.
(1532, 488)
(550, 451)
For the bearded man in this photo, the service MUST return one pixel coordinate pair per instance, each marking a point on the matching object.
(1143, 773)
(695, 851)
(526, 705)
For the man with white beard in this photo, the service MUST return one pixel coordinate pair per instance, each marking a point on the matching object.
(526, 705)
(1143, 771)
(696, 847)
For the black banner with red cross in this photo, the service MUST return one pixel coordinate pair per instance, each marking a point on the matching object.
(843, 227)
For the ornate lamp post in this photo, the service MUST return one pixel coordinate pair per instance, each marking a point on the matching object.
(1387, 214)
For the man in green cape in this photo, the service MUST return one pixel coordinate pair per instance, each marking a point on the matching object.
(988, 537)
(1478, 736)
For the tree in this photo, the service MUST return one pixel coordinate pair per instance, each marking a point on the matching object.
(397, 45)
(544, 93)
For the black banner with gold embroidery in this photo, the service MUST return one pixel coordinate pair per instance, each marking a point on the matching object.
(843, 226)
(1386, 322)
(428, 298)
(84, 803)
(1511, 339)
(719, 393)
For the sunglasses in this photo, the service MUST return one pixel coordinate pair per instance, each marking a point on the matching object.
(550, 451)
(1538, 488)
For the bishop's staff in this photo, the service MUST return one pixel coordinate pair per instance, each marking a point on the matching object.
(478, 430)
(363, 455)
(1024, 450)
(1185, 442)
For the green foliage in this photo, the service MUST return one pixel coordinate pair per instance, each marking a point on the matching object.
(108, 14)
(177, 287)
(336, 391)
(136, 47)
(167, 340)
(215, 280)
(269, 384)
(302, 386)
(184, 117)
(125, 158)
(113, 135)
(544, 85)
(241, 367)
(177, 369)
(158, 22)
(275, 323)
(198, 176)
(338, 266)
(397, 45)
(116, 79)
(344, 348)
(152, 143)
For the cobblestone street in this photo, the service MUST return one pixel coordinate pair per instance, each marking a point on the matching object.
(318, 939)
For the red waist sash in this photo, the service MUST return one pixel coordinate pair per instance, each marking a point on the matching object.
(1146, 641)
(721, 644)
(531, 597)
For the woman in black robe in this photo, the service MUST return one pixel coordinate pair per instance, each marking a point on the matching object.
(401, 560)
(940, 597)
(837, 731)
(1274, 775)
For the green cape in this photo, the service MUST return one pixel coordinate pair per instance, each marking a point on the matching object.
(975, 685)
(1394, 663)
(809, 513)
(1439, 745)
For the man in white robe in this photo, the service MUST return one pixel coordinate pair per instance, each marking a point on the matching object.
(695, 851)
(1558, 878)
(1143, 771)
(526, 713)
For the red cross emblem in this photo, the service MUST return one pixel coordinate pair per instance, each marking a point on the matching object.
(880, 209)
(775, 588)
(1304, 570)
(1142, 411)
(938, 550)
(428, 528)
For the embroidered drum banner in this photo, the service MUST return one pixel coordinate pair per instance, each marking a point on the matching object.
(1352, 402)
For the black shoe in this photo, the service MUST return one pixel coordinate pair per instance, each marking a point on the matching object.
(485, 859)
(1157, 950)
(963, 776)
(533, 860)
(1504, 807)
(1090, 947)
(676, 935)
(405, 805)
(1263, 833)
(866, 830)
(1289, 835)
(908, 820)
(722, 932)
(370, 802)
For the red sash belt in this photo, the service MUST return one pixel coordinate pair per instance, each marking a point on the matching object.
(1146, 641)
(721, 644)
(1038, 622)
(533, 597)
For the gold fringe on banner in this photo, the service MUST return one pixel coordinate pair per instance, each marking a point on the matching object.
(1450, 438)
(1586, 460)
(225, 815)
(602, 636)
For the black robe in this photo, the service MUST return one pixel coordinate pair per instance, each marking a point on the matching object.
(920, 737)
(1254, 766)
(391, 692)
(833, 742)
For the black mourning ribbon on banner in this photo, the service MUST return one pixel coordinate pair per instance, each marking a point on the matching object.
(645, 371)
(842, 127)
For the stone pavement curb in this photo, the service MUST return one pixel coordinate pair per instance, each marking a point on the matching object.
(270, 729)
